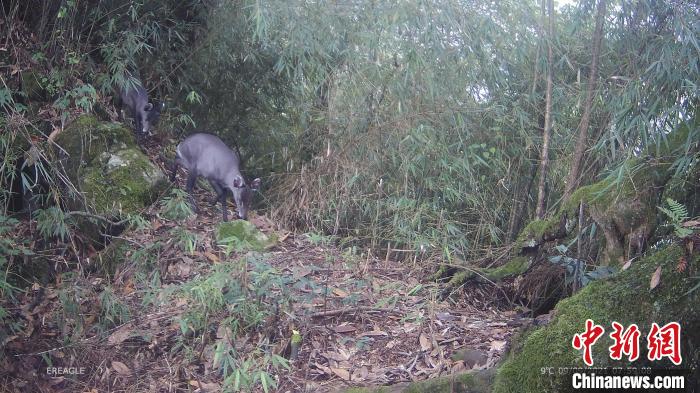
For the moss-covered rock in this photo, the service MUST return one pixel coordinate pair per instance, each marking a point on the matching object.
(243, 235)
(107, 167)
(625, 298)
(512, 268)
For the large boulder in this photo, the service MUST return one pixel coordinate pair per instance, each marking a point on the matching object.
(625, 298)
(112, 176)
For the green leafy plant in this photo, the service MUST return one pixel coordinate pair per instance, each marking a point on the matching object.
(577, 271)
(82, 97)
(176, 206)
(187, 240)
(8, 249)
(677, 213)
(113, 311)
(70, 317)
(53, 223)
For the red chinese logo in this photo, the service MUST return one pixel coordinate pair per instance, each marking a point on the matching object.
(586, 340)
(625, 343)
(665, 342)
(662, 342)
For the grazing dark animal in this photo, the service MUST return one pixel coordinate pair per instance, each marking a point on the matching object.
(208, 156)
(145, 114)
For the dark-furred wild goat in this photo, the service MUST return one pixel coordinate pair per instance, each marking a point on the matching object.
(208, 156)
(145, 114)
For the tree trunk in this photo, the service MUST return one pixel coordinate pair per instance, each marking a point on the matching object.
(544, 158)
(582, 141)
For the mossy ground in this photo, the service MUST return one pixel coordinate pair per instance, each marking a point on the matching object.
(625, 298)
(242, 234)
(473, 382)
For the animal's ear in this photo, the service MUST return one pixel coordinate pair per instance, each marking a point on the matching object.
(148, 107)
(238, 182)
(255, 184)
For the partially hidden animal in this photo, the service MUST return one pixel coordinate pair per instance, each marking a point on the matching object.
(146, 114)
(208, 156)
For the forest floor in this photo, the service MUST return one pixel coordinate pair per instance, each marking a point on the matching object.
(363, 321)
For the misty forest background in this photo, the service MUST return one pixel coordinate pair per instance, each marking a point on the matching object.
(431, 130)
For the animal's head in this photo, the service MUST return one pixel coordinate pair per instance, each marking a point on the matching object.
(243, 195)
(148, 117)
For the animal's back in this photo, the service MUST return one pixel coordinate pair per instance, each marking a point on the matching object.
(208, 155)
(131, 95)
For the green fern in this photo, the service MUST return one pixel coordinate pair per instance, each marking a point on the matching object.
(677, 213)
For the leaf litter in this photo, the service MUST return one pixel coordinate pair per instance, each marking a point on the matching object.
(363, 321)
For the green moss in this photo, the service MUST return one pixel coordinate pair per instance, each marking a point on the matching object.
(107, 166)
(459, 278)
(514, 267)
(537, 230)
(591, 194)
(625, 298)
(123, 180)
(242, 234)
(624, 209)
(440, 273)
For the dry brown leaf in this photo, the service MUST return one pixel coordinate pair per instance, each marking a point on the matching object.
(425, 343)
(323, 368)
(300, 272)
(344, 328)
(458, 366)
(338, 357)
(655, 278)
(340, 293)
(682, 264)
(129, 287)
(206, 386)
(212, 257)
(360, 374)
(121, 368)
(120, 335)
(627, 265)
(156, 224)
(341, 373)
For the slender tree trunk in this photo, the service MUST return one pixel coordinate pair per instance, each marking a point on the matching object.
(544, 158)
(573, 180)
